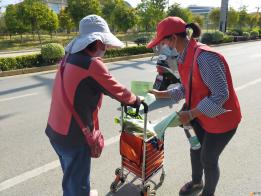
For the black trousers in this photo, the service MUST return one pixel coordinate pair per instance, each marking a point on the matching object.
(206, 158)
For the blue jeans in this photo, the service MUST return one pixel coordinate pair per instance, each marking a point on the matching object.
(75, 163)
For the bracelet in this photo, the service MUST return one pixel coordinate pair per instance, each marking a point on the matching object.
(190, 115)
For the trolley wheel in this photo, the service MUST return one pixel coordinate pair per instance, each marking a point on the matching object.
(118, 171)
(123, 179)
(152, 193)
(113, 187)
(145, 191)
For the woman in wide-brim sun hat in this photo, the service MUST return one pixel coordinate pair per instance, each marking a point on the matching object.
(83, 80)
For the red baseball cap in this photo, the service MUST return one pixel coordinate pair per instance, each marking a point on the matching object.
(167, 26)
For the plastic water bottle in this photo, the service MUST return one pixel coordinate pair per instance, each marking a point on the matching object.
(192, 137)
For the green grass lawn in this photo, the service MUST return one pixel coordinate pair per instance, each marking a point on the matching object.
(30, 41)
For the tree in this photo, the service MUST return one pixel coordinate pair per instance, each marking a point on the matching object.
(176, 10)
(150, 13)
(214, 16)
(3, 28)
(36, 15)
(124, 17)
(160, 4)
(198, 19)
(253, 20)
(11, 20)
(14, 20)
(259, 21)
(108, 7)
(52, 23)
(243, 17)
(78, 9)
(65, 20)
(232, 18)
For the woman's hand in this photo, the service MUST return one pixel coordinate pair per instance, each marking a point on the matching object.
(159, 94)
(184, 117)
(187, 116)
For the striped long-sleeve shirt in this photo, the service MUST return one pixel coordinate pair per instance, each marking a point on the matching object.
(212, 71)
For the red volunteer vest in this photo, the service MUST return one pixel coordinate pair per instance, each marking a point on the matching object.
(219, 124)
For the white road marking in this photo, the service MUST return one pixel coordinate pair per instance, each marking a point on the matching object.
(28, 175)
(17, 97)
(53, 165)
(248, 84)
(40, 170)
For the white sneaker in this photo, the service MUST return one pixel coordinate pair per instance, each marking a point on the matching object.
(94, 192)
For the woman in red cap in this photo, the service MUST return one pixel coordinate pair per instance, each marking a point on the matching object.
(212, 107)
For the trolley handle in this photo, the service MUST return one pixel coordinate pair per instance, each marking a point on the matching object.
(146, 108)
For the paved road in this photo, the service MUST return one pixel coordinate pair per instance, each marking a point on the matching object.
(29, 167)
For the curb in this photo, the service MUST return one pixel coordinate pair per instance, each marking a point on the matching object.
(54, 67)
(106, 60)
(233, 43)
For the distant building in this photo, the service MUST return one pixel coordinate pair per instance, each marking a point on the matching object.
(201, 10)
(56, 5)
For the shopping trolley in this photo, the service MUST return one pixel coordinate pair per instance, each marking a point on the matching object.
(142, 157)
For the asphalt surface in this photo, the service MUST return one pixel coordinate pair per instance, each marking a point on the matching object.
(29, 167)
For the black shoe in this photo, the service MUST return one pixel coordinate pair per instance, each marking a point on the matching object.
(190, 187)
(203, 194)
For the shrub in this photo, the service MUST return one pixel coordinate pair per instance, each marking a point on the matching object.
(7, 64)
(127, 51)
(141, 40)
(207, 38)
(218, 37)
(234, 33)
(239, 38)
(12, 63)
(239, 31)
(228, 38)
(212, 38)
(246, 35)
(52, 52)
(254, 34)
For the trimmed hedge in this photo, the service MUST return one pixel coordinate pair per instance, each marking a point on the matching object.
(218, 37)
(127, 51)
(212, 38)
(246, 35)
(36, 60)
(228, 38)
(239, 38)
(20, 62)
(254, 34)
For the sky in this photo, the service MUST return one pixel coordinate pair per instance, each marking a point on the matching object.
(251, 4)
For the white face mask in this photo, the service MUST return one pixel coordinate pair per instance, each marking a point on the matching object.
(170, 52)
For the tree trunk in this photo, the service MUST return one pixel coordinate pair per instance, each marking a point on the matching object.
(21, 36)
(39, 37)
